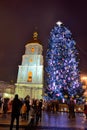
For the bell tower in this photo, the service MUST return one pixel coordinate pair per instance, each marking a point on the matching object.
(30, 72)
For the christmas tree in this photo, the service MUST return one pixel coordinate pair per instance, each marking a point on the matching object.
(62, 65)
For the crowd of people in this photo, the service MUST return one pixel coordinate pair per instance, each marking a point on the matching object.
(22, 108)
(31, 110)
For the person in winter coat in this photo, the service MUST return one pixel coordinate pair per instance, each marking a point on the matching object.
(27, 102)
(16, 106)
(23, 111)
(85, 109)
(71, 107)
(5, 107)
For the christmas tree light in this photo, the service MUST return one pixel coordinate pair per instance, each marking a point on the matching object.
(62, 65)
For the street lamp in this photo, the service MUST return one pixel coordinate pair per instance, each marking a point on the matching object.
(84, 81)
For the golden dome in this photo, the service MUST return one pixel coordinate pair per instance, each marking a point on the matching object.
(34, 38)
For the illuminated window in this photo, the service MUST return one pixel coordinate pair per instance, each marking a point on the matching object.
(32, 49)
(29, 77)
(30, 60)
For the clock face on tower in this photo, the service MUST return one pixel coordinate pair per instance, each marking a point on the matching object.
(32, 50)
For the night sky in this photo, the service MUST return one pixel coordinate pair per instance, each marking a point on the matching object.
(18, 20)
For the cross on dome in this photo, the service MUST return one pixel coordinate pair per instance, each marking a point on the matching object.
(35, 34)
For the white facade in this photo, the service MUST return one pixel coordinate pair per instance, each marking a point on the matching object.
(30, 72)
